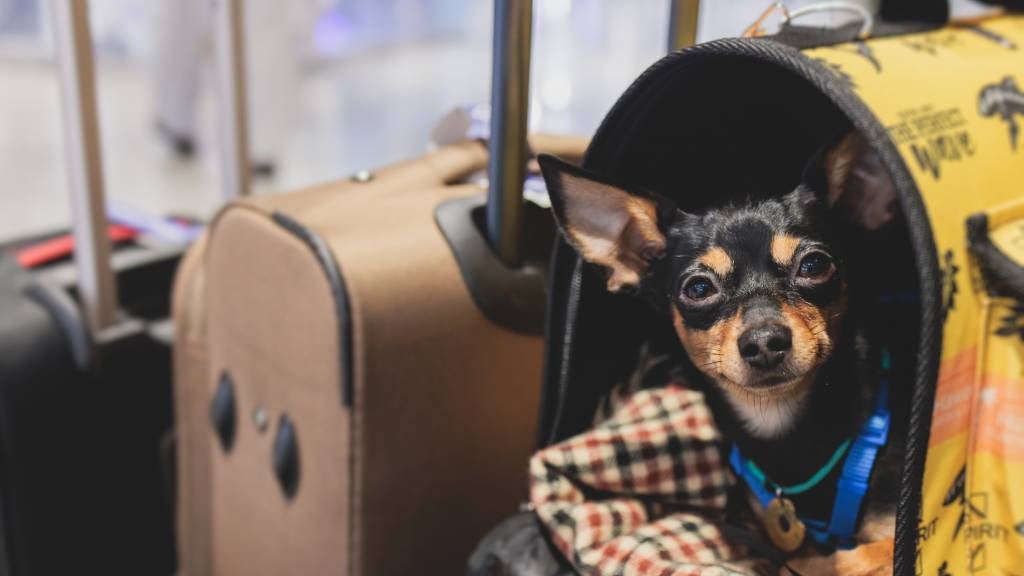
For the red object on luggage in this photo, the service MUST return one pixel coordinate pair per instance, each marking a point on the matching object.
(62, 246)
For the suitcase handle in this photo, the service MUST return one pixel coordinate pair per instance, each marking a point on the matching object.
(682, 23)
(510, 98)
(97, 288)
(76, 71)
(503, 268)
(232, 99)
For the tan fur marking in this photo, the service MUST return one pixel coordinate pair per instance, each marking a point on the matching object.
(823, 323)
(718, 260)
(877, 527)
(715, 353)
(710, 350)
(783, 248)
(874, 559)
(765, 411)
(814, 330)
(806, 324)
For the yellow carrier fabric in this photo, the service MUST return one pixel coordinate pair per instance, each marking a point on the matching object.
(951, 104)
(945, 113)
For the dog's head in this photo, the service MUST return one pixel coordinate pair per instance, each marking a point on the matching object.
(756, 291)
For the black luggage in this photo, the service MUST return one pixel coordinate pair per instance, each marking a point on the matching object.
(81, 481)
(85, 377)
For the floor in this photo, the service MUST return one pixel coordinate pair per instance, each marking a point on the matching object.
(358, 106)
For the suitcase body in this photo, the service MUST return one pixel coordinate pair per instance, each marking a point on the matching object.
(85, 398)
(81, 484)
(36, 361)
(380, 424)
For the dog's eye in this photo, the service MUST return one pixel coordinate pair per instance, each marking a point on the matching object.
(699, 288)
(816, 266)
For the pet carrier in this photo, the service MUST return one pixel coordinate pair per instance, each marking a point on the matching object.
(941, 107)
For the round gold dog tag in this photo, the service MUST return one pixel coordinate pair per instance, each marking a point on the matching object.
(784, 528)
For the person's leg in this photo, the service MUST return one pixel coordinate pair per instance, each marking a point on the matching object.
(182, 38)
(277, 35)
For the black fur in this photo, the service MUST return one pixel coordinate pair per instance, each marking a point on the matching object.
(745, 232)
(841, 396)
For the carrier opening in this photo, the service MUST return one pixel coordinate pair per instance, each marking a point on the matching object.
(717, 124)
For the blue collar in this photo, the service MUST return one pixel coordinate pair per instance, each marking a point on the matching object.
(840, 530)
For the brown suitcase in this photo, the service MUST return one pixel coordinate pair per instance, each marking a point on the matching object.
(357, 373)
(338, 312)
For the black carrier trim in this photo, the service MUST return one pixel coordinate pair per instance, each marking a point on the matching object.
(619, 131)
(1004, 276)
(338, 291)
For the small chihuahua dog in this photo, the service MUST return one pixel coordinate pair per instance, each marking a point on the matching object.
(758, 296)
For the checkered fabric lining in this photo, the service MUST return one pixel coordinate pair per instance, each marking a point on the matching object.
(637, 495)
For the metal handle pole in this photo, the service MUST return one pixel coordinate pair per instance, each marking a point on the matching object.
(682, 24)
(231, 96)
(73, 42)
(510, 93)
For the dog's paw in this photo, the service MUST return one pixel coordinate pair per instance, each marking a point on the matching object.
(874, 559)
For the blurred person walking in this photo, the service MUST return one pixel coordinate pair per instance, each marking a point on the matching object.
(277, 35)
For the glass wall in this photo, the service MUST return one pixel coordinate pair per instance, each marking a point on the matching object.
(335, 86)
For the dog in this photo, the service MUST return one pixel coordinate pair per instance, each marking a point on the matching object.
(759, 299)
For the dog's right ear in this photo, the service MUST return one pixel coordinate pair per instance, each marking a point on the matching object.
(858, 184)
(606, 224)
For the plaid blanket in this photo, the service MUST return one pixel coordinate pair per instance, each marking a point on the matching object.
(640, 493)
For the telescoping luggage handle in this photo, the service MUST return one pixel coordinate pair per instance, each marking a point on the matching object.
(233, 109)
(76, 71)
(510, 93)
(504, 275)
(501, 245)
(97, 289)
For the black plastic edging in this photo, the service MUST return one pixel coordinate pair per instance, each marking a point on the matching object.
(339, 293)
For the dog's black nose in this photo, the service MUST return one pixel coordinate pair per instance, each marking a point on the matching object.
(765, 346)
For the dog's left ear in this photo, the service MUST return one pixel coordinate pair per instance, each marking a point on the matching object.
(858, 184)
(606, 224)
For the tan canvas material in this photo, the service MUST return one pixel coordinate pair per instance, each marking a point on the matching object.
(432, 451)
(191, 401)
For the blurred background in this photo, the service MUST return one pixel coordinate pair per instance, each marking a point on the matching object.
(336, 86)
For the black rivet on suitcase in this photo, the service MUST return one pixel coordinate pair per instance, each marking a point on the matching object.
(222, 412)
(286, 457)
